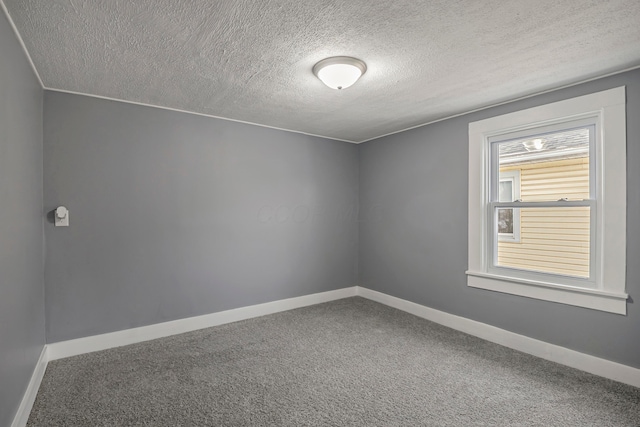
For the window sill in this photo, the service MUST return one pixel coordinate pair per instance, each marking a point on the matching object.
(595, 299)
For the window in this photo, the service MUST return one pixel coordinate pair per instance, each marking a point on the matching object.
(554, 163)
(547, 202)
(509, 218)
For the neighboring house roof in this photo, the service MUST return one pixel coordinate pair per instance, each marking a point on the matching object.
(553, 146)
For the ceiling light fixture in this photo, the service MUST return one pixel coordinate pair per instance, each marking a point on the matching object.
(339, 72)
(534, 144)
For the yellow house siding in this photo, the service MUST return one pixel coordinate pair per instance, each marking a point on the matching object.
(553, 240)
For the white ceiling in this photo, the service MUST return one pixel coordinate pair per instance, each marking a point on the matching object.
(251, 60)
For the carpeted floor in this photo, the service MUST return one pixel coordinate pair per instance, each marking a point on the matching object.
(351, 362)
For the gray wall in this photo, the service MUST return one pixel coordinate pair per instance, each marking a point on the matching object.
(413, 234)
(21, 235)
(175, 215)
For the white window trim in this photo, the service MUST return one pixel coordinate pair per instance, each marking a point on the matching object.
(609, 294)
(514, 177)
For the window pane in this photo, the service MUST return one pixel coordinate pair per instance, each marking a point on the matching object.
(506, 191)
(552, 166)
(552, 240)
(505, 216)
(505, 221)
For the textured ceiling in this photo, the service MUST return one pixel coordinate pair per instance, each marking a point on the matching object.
(251, 60)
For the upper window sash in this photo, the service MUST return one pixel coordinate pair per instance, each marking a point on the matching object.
(590, 121)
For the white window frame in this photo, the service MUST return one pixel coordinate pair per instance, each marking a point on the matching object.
(592, 124)
(514, 177)
(606, 292)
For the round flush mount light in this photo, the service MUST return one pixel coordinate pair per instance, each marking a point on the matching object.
(339, 72)
(534, 144)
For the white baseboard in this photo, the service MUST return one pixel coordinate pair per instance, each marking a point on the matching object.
(22, 416)
(93, 343)
(584, 362)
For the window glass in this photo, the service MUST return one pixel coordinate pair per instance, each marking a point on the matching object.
(505, 221)
(552, 240)
(551, 167)
(506, 191)
(549, 161)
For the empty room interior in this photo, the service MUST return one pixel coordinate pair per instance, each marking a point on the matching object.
(288, 213)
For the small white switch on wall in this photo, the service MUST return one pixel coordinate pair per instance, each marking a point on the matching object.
(61, 217)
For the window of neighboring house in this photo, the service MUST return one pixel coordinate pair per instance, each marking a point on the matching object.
(509, 218)
(547, 202)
